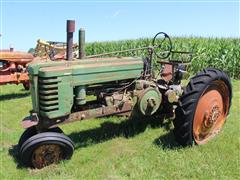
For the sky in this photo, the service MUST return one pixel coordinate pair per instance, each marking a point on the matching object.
(22, 22)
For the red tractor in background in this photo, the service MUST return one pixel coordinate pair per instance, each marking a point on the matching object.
(13, 67)
(13, 64)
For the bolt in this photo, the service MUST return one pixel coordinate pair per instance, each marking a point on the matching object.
(83, 116)
(151, 102)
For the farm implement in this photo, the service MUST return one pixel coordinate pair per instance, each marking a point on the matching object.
(13, 64)
(52, 50)
(140, 87)
(13, 67)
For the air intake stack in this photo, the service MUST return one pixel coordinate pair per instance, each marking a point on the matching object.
(81, 45)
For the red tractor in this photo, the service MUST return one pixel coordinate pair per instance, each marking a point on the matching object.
(13, 64)
(13, 67)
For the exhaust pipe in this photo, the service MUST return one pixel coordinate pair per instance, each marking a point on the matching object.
(70, 31)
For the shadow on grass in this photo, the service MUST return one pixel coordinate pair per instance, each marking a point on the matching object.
(167, 141)
(108, 130)
(13, 151)
(14, 96)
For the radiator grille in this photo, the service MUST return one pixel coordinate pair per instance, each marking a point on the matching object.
(48, 94)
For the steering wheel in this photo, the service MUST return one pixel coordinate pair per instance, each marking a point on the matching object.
(162, 42)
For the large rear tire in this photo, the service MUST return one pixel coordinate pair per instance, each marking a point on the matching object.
(203, 107)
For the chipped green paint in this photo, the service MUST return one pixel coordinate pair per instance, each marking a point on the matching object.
(53, 84)
(149, 101)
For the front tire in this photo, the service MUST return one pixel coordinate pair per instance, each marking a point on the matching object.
(46, 148)
(31, 131)
(203, 107)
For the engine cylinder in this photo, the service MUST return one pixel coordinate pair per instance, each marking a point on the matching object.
(80, 95)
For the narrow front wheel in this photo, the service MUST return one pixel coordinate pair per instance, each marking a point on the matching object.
(46, 148)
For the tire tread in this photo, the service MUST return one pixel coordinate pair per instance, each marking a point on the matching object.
(183, 123)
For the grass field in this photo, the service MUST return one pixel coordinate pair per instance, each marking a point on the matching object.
(114, 148)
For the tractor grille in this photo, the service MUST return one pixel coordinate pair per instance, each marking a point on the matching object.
(48, 94)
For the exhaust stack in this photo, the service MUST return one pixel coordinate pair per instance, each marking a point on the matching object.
(70, 31)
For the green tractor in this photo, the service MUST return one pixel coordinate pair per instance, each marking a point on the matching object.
(119, 85)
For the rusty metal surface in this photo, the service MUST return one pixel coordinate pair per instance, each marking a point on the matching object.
(13, 67)
(123, 108)
(167, 73)
(30, 121)
(70, 30)
(16, 56)
(46, 154)
(15, 78)
(100, 112)
(27, 123)
(70, 26)
(211, 112)
(120, 109)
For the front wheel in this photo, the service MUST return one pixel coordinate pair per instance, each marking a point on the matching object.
(31, 131)
(46, 148)
(203, 108)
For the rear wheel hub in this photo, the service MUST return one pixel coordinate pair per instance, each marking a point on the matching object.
(211, 112)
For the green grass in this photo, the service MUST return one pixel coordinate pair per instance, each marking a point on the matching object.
(114, 148)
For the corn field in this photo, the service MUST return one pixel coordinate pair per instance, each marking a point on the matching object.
(222, 53)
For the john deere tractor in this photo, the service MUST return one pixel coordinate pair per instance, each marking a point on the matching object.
(60, 94)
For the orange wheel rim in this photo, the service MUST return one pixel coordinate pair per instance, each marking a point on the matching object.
(45, 155)
(211, 111)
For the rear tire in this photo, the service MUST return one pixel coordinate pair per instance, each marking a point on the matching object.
(46, 148)
(203, 107)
